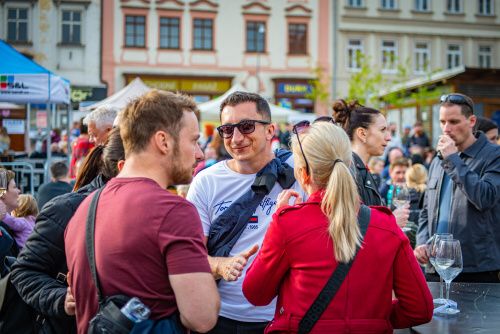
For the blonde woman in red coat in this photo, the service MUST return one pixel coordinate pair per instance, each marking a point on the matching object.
(306, 241)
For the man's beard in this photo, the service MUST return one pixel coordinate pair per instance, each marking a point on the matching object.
(179, 174)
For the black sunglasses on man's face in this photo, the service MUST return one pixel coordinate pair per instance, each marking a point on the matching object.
(245, 127)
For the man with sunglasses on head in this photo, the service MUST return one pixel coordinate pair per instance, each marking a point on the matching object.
(236, 199)
(463, 192)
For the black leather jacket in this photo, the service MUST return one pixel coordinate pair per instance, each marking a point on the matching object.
(35, 273)
(367, 187)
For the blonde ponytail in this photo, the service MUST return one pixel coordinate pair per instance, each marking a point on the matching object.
(323, 145)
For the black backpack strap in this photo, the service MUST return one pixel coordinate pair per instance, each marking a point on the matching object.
(90, 242)
(334, 282)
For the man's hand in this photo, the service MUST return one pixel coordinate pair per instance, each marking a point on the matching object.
(284, 198)
(402, 215)
(231, 268)
(69, 303)
(446, 146)
(421, 254)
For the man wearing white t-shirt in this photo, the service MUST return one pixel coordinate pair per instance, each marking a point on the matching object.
(247, 132)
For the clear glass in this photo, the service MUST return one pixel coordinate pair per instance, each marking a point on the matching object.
(432, 251)
(448, 264)
(401, 196)
(3, 181)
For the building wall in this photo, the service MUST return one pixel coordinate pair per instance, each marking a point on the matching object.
(78, 63)
(229, 59)
(437, 27)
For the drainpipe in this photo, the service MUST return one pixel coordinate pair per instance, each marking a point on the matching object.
(334, 46)
(100, 46)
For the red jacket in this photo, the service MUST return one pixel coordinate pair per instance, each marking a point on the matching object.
(296, 260)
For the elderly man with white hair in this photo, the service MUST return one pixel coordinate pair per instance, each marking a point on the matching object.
(99, 123)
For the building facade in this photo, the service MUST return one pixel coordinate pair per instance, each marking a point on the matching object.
(62, 36)
(424, 35)
(203, 47)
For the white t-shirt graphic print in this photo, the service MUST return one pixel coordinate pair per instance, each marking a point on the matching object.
(212, 192)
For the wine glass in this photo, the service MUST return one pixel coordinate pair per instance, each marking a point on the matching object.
(3, 181)
(401, 196)
(432, 251)
(448, 264)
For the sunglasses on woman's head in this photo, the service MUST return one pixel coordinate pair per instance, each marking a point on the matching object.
(300, 126)
(245, 127)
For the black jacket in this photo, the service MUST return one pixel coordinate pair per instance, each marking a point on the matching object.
(367, 187)
(35, 273)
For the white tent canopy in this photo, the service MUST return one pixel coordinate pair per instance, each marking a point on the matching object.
(121, 98)
(210, 110)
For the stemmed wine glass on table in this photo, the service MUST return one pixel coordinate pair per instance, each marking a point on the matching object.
(448, 264)
(432, 251)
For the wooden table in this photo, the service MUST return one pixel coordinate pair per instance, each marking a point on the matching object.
(479, 305)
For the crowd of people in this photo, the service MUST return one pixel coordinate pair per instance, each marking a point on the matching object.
(263, 221)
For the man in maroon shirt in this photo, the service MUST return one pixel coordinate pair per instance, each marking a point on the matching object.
(148, 242)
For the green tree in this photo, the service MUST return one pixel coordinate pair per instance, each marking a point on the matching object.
(365, 83)
(319, 86)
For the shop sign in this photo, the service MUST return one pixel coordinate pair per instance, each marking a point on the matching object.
(294, 88)
(80, 94)
(163, 84)
(194, 85)
(188, 84)
(41, 119)
(14, 126)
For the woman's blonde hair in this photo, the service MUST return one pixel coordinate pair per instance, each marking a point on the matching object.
(27, 206)
(416, 177)
(323, 144)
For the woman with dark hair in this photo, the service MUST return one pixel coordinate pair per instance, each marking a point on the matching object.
(489, 128)
(368, 133)
(39, 275)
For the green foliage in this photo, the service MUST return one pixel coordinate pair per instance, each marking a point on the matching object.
(366, 82)
(319, 86)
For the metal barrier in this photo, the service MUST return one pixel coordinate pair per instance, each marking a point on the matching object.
(30, 173)
(22, 169)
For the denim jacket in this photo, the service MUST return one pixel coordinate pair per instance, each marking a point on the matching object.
(475, 206)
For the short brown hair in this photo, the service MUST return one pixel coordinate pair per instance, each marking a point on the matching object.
(152, 112)
(27, 206)
(239, 97)
(467, 108)
(403, 162)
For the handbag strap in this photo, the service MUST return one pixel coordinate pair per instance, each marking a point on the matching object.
(90, 242)
(334, 282)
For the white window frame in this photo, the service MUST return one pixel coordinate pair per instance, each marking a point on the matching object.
(485, 57)
(71, 23)
(454, 58)
(355, 3)
(421, 64)
(388, 4)
(419, 5)
(454, 6)
(389, 66)
(351, 55)
(27, 21)
(485, 7)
